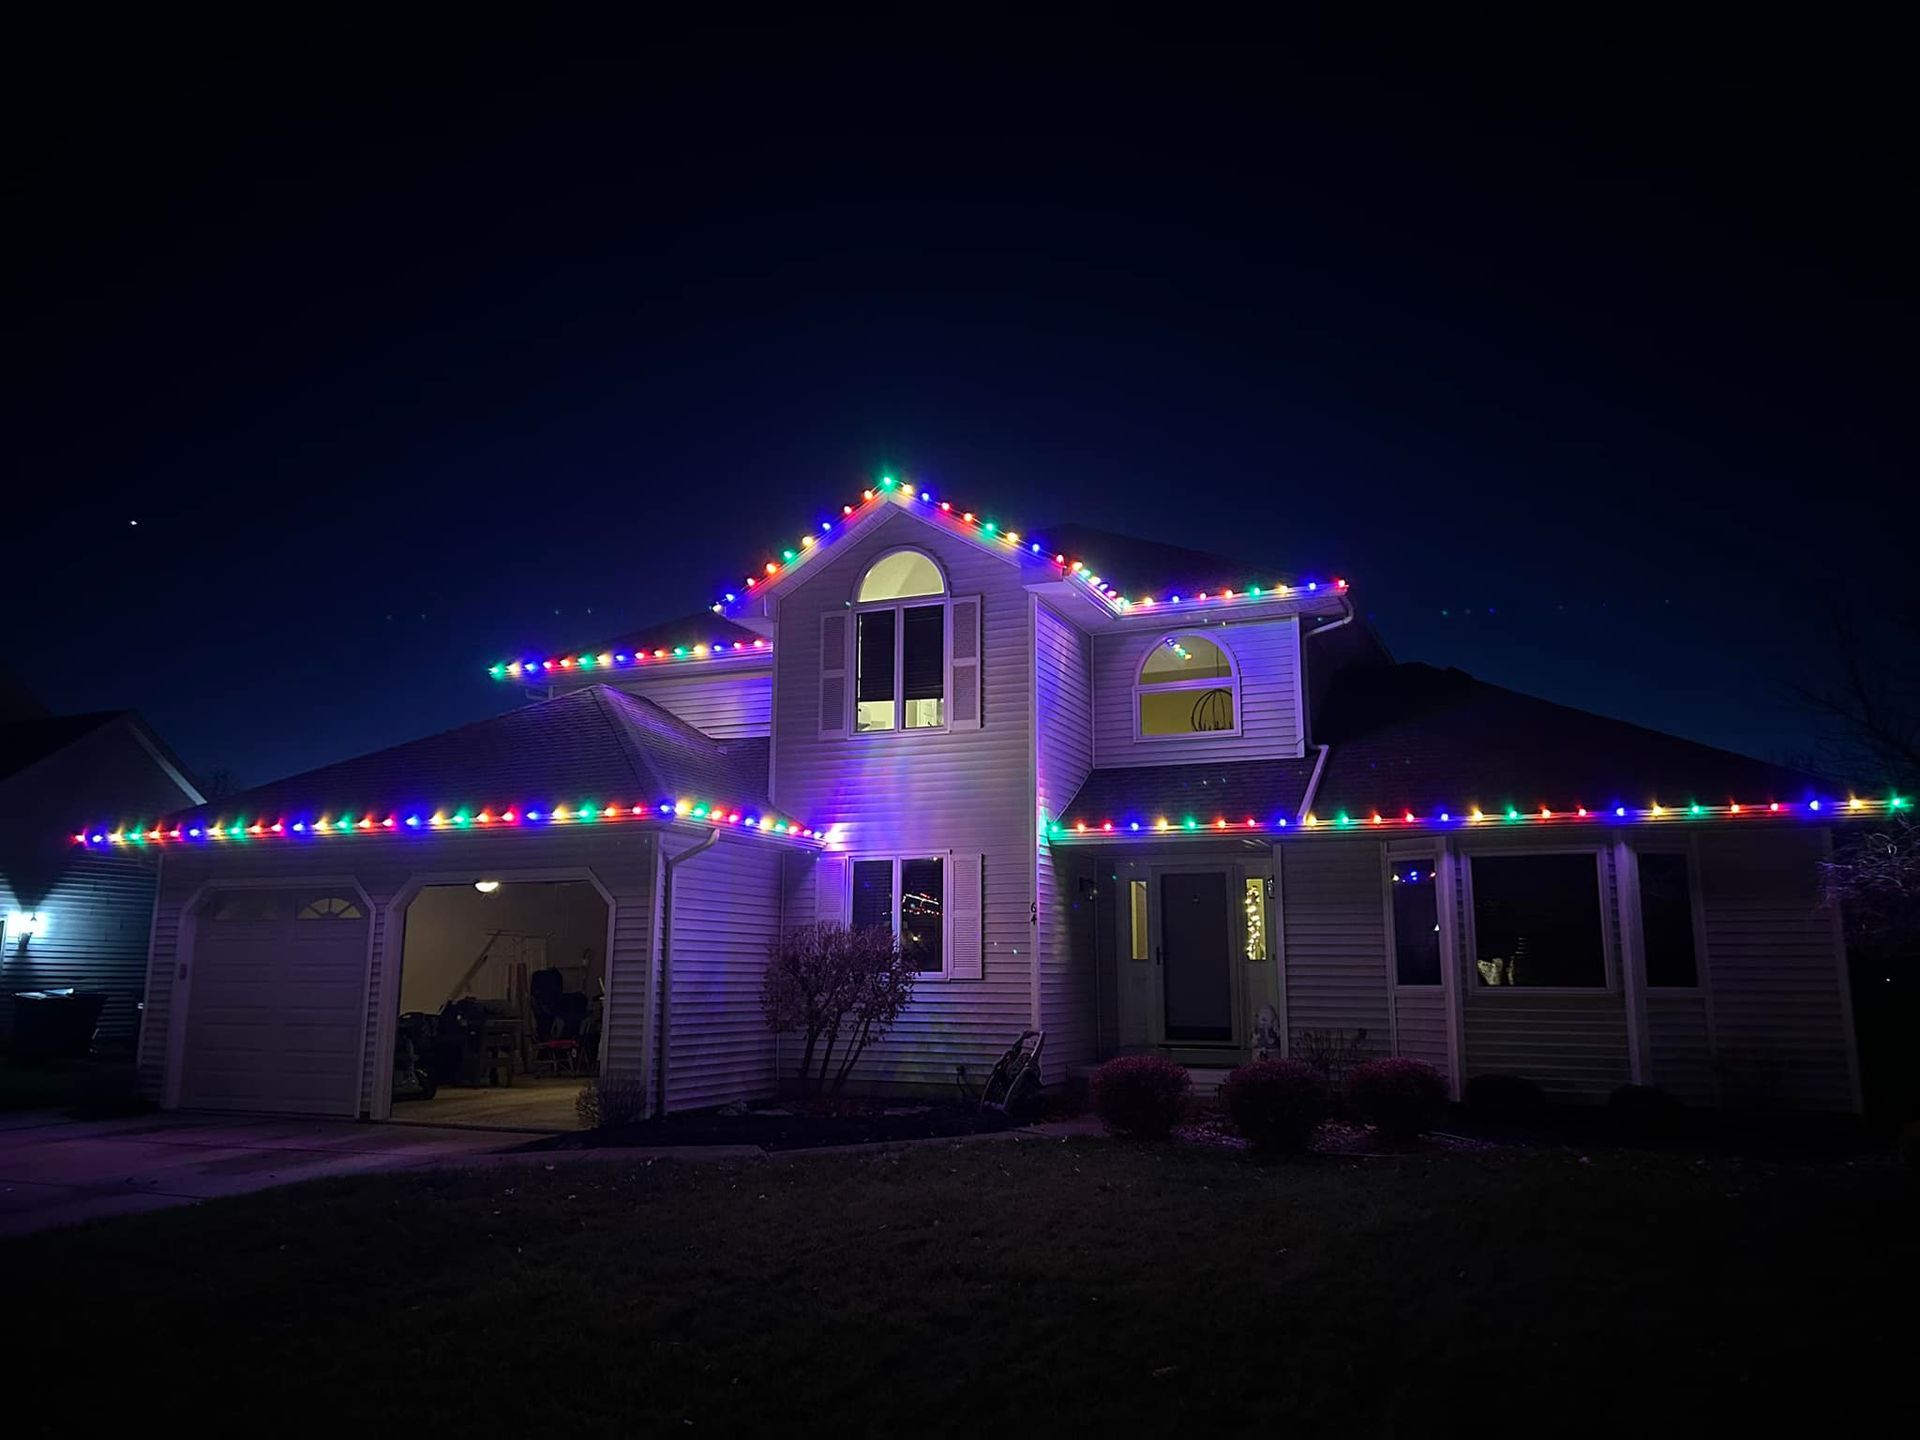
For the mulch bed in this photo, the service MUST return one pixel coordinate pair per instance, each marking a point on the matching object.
(795, 1128)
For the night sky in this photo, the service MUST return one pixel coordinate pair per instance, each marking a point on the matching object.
(1586, 355)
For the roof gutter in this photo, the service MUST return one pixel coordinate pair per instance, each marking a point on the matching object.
(672, 863)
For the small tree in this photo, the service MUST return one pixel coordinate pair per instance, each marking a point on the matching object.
(842, 988)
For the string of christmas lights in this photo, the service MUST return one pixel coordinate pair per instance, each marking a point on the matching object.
(889, 489)
(622, 659)
(507, 817)
(1473, 816)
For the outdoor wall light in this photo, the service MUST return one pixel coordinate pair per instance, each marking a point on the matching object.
(486, 887)
(22, 924)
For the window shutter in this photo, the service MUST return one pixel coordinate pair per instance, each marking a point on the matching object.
(964, 939)
(830, 888)
(963, 652)
(833, 673)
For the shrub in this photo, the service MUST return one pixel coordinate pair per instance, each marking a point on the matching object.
(835, 984)
(1506, 1097)
(1645, 1112)
(1143, 1095)
(612, 1100)
(1402, 1098)
(1276, 1104)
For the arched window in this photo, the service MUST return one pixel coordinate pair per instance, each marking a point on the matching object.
(901, 575)
(1188, 686)
(330, 907)
(900, 648)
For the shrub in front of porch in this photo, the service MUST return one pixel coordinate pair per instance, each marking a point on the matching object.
(1276, 1104)
(1141, 1095)
(1401, 1098)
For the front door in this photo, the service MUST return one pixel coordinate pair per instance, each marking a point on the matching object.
(1196, 958)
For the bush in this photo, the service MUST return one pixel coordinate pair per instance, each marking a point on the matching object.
(1143, 1095)
(1645, 1112)
(1401, 1098)
(1506, 1097)
(612, 1100)
(839, 986)
(1276, 1104)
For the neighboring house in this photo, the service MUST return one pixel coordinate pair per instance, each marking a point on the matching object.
(1155, 818)
(76, 916)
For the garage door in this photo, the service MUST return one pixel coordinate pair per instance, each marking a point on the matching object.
(276, 1000)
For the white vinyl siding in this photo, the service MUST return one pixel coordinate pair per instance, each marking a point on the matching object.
(1063, 757)
(926, 792)
(1265, 655)
(726, 912)
(727, 705)
(1776, 973)
(1420, 1025)
(1334, 930)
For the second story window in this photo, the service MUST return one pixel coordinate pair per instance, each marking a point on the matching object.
(900, 645)
(1187, 686)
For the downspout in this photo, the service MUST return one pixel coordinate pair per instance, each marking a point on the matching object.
(673, 862)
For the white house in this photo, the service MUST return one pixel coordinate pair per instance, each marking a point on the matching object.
(1134, 796)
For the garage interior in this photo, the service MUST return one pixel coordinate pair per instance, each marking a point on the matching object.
(502, 996)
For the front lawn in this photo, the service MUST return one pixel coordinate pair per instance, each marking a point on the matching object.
(1008, 1284)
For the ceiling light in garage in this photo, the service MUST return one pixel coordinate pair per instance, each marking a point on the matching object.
(486, 887)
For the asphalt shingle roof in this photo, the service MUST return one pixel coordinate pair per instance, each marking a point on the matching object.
(1413, 737)
(595, 743)
(27, 742)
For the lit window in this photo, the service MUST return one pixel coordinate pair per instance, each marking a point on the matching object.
(1254, 903)
(1416, 922)
(330, 907)
(1666, 921)
(902, 575)
(900, 651)
(1187, 687)
(1536, 921)
(908, 897)
(1137, 919)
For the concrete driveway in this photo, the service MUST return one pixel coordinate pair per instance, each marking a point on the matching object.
(56, 1171)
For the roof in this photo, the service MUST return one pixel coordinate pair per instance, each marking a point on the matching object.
(593, 744)
(1415, 737)
(27, 742)
(700, 636)
(1416, 741)
(1143, 795)
(1150, 567)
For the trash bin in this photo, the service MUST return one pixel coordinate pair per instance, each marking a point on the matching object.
(55, 1024)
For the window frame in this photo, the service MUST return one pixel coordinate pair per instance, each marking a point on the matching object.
(1232, 678)
(1470, 963)
(1696, 912)
(943, 602)
(897, 858)
(1428, 856)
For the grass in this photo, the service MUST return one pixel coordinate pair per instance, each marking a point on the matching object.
(1084, 1284)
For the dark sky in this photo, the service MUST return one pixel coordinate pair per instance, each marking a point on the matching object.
(1586, 354)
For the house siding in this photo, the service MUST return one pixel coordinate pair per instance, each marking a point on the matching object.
(622, 862)
(1266, 655)
(969, 791)
(1680, 1045)
(1781, 1028)
(99, 907)
(1420, 1025)
(726, 911)
(726, 705)
(1333, 923)
(1063, 757)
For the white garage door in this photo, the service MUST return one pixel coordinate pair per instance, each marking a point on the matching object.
(276, 1001)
